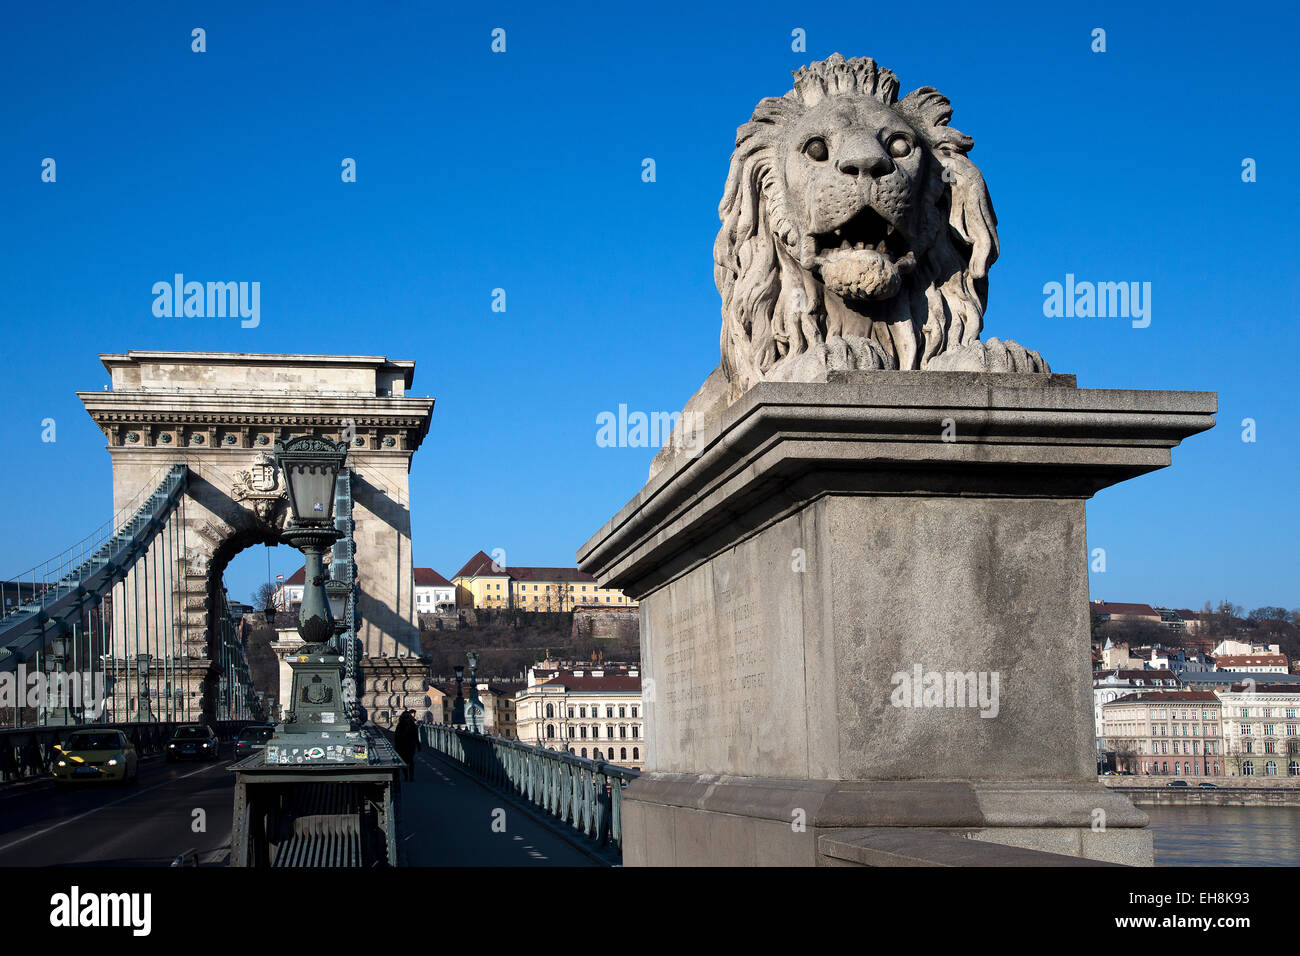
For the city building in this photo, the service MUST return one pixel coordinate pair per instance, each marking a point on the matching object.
(1261, 729)
(592, 711)
(1166, 733)
(1179, 660)
(288, 592)
(1111, 612)
(1253, 663)
(483, 583)
(434, 594)
(1112, 685)
(1230, 647)
(1223, 680)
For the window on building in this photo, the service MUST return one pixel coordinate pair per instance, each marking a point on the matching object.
(550, 731)
(1270, 768)
(550, 710)
(636, 753)
(1248, 768)
(636, 732)
(621, 709)
(633, 711)
(622, 753)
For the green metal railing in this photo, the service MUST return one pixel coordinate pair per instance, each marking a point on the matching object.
(585, 794)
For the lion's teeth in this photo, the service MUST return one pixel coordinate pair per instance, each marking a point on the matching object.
(860, 245)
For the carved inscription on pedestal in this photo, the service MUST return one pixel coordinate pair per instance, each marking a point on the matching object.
(713, 678)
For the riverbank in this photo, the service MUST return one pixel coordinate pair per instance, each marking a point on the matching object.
(1228, 792)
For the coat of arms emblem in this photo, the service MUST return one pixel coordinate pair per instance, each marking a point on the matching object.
(260, 487)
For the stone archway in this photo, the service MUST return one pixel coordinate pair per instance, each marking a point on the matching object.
(220, 414)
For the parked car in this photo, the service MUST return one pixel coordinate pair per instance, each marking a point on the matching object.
(1177, 783)
(252, 739)
(90, 755)
(1208, 786)
(193, 742)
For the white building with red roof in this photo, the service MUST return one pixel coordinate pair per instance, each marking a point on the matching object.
(593, 711)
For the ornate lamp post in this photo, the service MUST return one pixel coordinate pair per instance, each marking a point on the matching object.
(474, 708)
(311, 467)
(54, 662)
(337, 594)
(458, 706)
(316, 727)
(142, 702)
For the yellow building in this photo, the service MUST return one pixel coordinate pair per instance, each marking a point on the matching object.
(482, 583)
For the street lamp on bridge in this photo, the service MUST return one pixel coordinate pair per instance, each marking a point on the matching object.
(143, 706)
(318, 744)
(317, 724)
(474, 707)
(311, 467)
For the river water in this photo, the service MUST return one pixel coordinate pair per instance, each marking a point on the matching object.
(1226, 836)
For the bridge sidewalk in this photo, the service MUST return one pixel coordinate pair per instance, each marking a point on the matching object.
(447, 820)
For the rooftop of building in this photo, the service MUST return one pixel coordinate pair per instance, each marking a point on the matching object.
(480, 565)
(1167, 696)
(1231, 661)
(1117, 607)
(429, 578)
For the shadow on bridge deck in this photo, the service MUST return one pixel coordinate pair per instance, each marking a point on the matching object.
(447, 820)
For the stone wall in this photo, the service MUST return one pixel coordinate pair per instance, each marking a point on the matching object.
(615, 623)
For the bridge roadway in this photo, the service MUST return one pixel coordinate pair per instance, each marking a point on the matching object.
(447, 819)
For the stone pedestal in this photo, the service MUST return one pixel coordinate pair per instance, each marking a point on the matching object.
(286, 644)
(864, 603)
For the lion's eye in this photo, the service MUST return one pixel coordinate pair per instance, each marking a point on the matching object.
(815, 149)
(899, 146)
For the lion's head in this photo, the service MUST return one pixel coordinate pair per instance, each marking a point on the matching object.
(855, 234)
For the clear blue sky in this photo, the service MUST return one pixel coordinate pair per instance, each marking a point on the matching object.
(522, 171)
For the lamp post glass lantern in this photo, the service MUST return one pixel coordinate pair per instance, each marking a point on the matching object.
(311, 467)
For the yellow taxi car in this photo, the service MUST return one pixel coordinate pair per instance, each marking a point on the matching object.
(89, 755)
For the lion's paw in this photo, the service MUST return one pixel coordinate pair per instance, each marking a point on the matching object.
(990, 356)
(836, 354)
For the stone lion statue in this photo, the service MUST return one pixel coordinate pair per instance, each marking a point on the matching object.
(856, 234)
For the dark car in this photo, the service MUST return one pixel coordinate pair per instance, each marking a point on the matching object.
(252, 739)
(1208, 786)
(193, 742)
(1177, 783)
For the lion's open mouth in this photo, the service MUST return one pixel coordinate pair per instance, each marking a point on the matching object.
(867, 230)
(865, 258)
